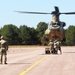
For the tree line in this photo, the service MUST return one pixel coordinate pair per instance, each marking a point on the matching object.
(25, 35)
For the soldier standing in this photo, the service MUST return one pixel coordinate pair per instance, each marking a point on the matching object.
(4, 48)
(51, 44)
(59, 46)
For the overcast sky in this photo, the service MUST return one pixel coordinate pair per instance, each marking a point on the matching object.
(8, 16)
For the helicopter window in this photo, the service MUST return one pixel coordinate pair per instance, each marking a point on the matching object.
(56, 24)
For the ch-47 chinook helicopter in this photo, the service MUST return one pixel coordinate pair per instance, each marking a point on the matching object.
(55, 28)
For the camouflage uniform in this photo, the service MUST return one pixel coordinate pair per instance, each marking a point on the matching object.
(4, 48)
(51, 45)
(55, 43)
(59, 46)
(55, 47)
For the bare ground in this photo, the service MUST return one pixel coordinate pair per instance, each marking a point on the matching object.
(21, 58)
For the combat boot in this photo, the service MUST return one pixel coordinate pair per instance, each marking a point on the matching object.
(5, 62)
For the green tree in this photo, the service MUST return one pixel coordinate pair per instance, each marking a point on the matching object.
(10, 32)
(70, 35)
(34, 38)
(24, 34)
(41, 27)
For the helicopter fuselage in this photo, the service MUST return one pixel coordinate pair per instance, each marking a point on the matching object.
(55, 31)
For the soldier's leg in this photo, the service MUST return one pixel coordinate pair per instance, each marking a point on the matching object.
(5, 61)
(60, 50)
(1, 57)
(5, 57)
(52, 49)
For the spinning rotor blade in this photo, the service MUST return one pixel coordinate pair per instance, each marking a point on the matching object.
(56, 12)
(32, 12)
(68, 13)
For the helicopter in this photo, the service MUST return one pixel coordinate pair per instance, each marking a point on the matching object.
(55, 27)
(55, 31)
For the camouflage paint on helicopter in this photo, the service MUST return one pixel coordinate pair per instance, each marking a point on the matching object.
(55, 28)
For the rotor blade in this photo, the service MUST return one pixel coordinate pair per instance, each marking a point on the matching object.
(32, 12)
(56, 9)
(68, 13)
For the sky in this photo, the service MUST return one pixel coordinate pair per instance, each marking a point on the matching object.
(8, 16)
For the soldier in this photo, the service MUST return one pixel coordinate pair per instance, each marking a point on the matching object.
(55, 43)
(59, 46)
(55, 47)
(4, 48)
(51, 44)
